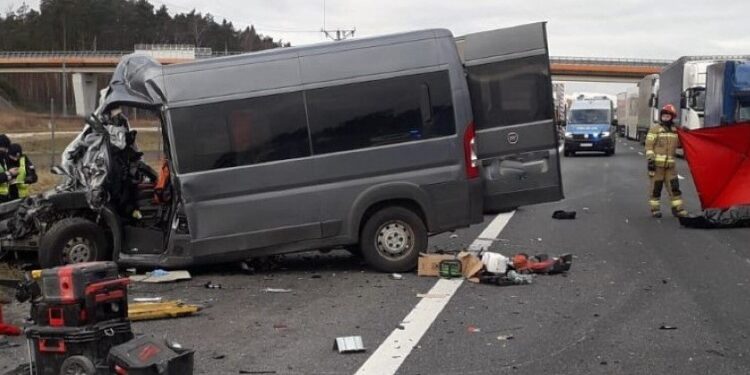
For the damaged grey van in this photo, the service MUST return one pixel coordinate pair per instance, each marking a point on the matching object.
(371, 144)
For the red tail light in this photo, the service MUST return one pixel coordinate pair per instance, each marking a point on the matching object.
(470, 152)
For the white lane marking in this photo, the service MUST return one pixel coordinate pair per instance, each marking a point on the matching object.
(680, 177)
(393, 351)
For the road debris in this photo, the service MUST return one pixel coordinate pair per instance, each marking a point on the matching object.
(147, 299)
(564, 215)
(257, 372)
(161, 276)
(505, 337)
(453, 236)
(211, 285)
(473, 329)
(161, 310)
(667, 327)
(397, 276)
(349, 344)
(276, 290)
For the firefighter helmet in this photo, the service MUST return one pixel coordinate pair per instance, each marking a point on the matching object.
(668, 109)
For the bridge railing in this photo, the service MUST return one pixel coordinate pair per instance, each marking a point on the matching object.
(608, 61)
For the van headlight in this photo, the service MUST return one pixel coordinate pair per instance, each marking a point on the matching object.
(605, 134)
(568, 135)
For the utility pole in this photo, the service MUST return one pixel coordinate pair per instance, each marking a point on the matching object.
(338, 34)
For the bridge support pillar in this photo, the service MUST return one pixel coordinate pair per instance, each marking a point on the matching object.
(84, 89)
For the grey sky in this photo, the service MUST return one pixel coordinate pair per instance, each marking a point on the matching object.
(622, 28)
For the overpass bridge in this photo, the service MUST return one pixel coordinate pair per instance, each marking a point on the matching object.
(83, 65)
(563, 68)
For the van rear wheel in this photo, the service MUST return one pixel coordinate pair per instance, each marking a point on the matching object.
(392, 239)
(72, 240)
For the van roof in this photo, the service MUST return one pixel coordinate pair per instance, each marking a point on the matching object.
(591, 104)
(309, 50)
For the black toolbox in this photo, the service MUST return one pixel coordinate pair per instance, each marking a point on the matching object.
(147, 355)
(53, 346)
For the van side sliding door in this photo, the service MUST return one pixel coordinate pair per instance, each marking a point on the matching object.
(510, 86)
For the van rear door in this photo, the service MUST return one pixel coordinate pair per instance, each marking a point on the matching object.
(510, 86)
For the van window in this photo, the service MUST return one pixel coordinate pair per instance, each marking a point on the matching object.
(510, 92)
(383, 112)
(240, 132)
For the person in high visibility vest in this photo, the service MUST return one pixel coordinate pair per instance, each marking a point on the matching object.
(661, 150)
(25, 172)
(7, 174)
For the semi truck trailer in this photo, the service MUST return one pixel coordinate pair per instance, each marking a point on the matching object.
(728, 93)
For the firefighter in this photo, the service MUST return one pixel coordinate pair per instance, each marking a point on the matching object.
(661, 148)
(26, 174)
(6, 174)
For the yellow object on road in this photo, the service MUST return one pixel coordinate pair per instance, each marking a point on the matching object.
(160, 310)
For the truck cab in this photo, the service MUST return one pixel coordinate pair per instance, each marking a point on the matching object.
(591, 127)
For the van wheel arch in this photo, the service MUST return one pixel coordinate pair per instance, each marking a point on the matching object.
(375, 198)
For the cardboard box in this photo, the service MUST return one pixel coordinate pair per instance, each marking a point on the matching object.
(429, 264)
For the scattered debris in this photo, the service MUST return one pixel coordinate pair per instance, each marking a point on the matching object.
(161, 276)
(147, 299)
(473, 329)
(280, 327)
(349, 344)
(564, 215)
(453, 236)
(397, 276)
(276, 290)
(316, 277)
(257, 372)
(495, 262)
(505, 337)
(211, 285)
(430, 264)
(667, 327)
(162, 310)
(5, 344)
(219, 356)
(509, 278)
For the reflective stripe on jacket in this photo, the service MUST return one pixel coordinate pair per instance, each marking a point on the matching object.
(661, 145)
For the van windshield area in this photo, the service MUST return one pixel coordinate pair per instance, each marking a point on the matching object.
(589, 116)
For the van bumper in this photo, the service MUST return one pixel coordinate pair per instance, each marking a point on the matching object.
(604, 144)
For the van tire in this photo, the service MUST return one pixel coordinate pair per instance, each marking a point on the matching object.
(81, 236)
(404, 228)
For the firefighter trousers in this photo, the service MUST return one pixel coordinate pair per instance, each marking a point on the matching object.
(666, 176)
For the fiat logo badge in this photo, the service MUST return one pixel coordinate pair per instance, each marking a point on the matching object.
(512, 138)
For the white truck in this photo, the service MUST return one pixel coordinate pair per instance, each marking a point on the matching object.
(631, 113)
(648, 105)
(620, 112)
(683, 84)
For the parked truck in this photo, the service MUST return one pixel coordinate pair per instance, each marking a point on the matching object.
(621, 112)
(648, 106)
(683, 84)
(728, 93)
(631, 113)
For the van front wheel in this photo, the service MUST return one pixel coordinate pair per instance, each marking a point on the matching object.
(72, 240)
(392, 239)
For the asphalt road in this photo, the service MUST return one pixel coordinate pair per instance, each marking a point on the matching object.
(631, 275)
